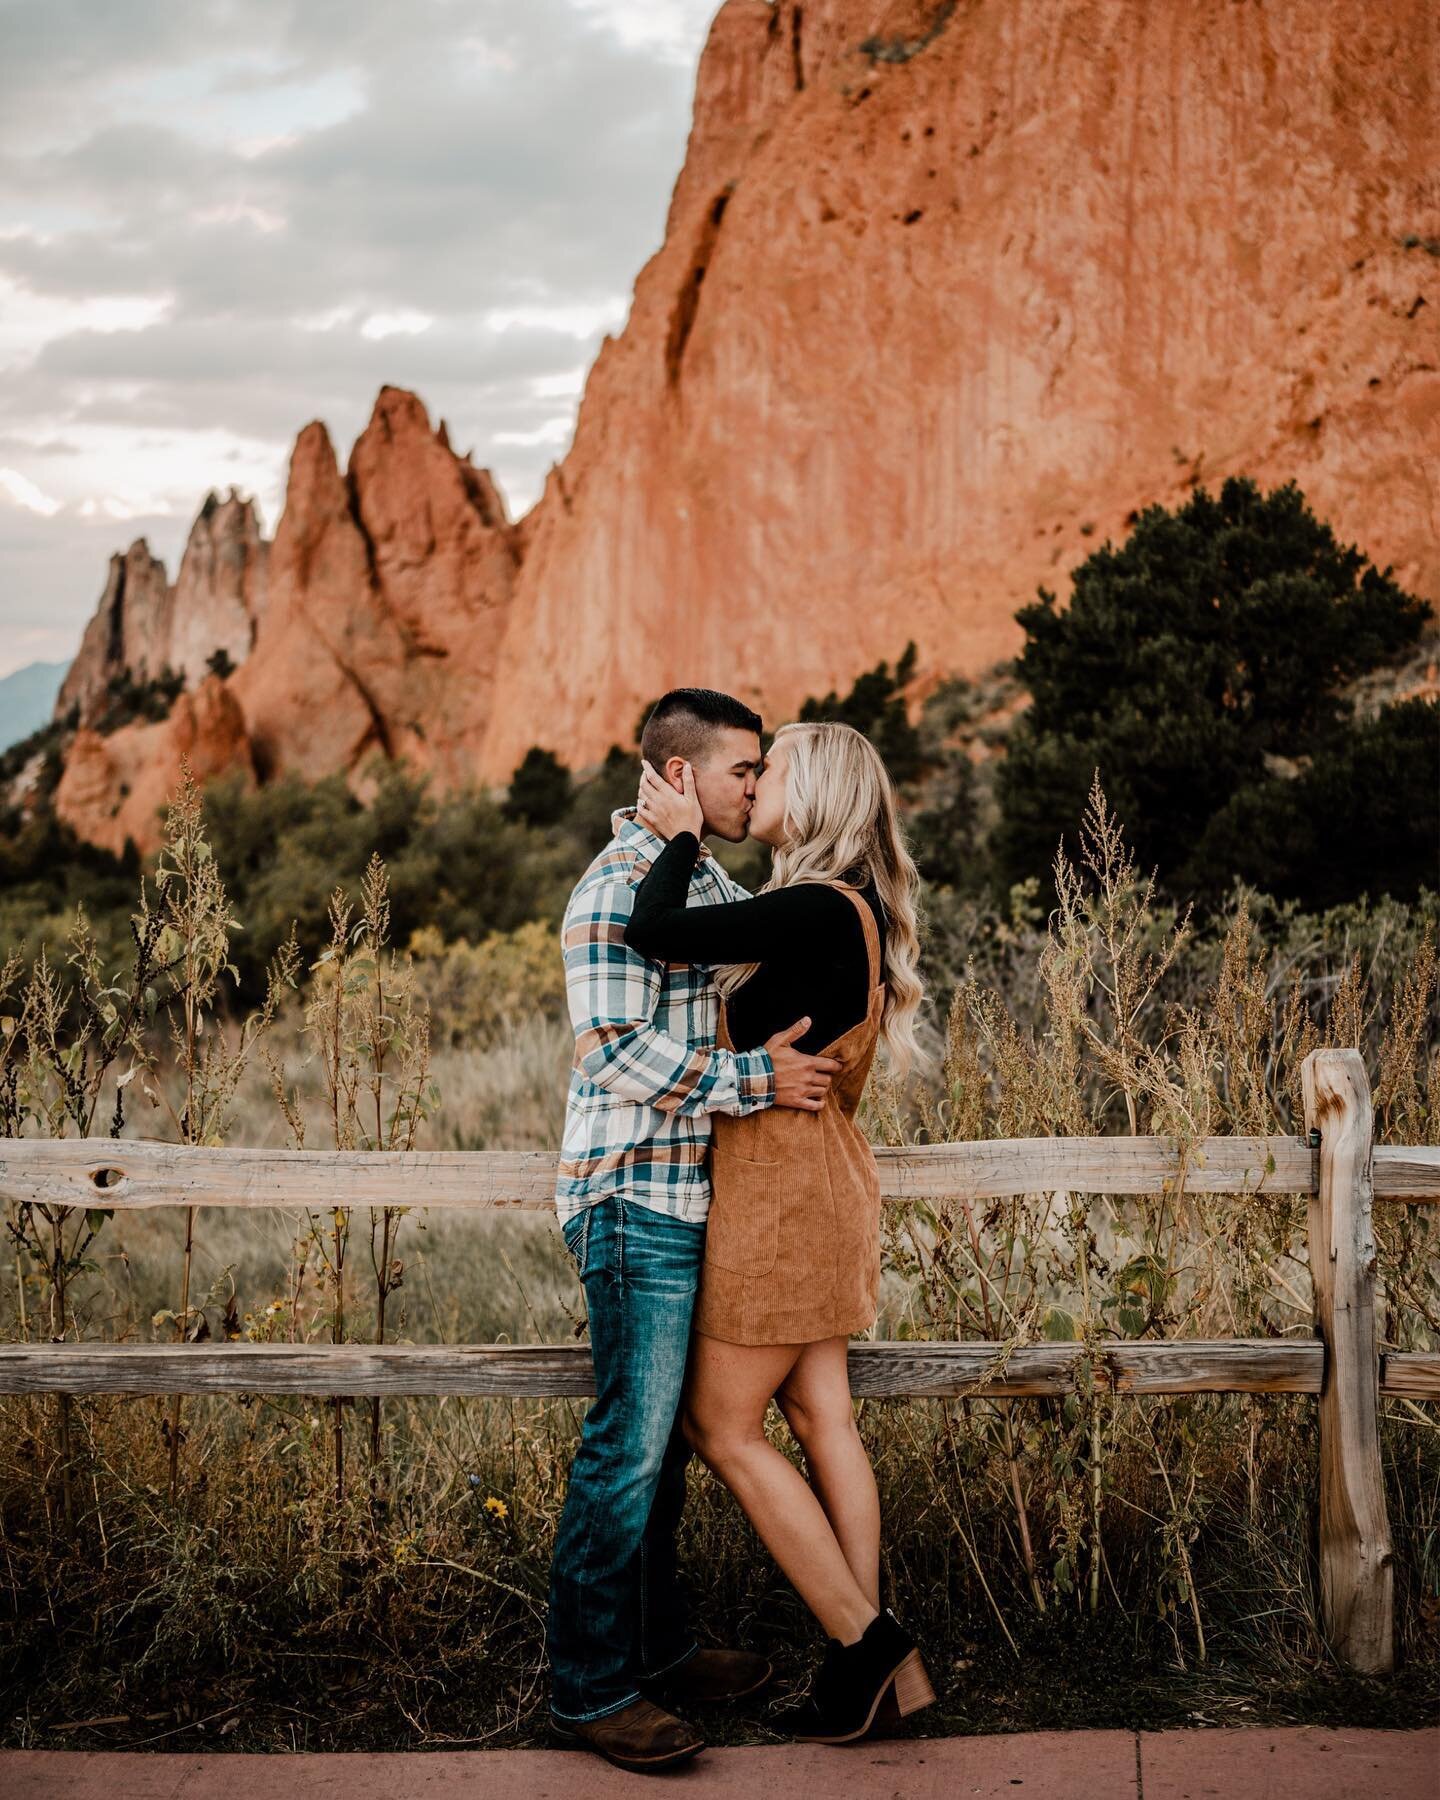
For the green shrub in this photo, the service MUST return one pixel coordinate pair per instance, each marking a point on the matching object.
(1190, 665)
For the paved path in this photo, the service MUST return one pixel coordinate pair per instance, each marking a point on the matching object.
(1307, 1763)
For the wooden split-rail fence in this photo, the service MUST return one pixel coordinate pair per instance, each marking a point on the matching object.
(1335, 1163)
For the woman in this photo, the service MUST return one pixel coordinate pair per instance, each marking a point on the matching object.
(792, 1259)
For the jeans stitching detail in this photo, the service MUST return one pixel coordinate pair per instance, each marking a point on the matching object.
(683, 1657)
(603, 1713)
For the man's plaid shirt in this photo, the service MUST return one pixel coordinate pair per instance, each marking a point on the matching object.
(647, 1074)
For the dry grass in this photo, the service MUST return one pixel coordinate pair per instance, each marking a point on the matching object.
(280, 1571)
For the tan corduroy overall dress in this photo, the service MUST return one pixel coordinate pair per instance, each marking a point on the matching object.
(792, 1253)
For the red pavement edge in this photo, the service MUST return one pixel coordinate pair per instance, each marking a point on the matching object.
(1302, 1763)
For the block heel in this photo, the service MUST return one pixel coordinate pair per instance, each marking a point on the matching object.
(910, 1687)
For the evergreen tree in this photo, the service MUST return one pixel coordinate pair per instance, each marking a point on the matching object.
(540, 789)
(1215, 640)
(875, 706)
(1364, 818)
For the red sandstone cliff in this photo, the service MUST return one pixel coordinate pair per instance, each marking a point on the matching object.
(142, 624)
(389, 593)
(942, 285)
(947, 292)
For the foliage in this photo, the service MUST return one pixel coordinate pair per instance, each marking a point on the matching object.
(455, 862)
(944, 833)
(1112, 1047)
(1215, 642)
(180, 954)
(875, 706)
(370, 1030)
(130, 700)
(1364, 816)
(540, 789)
(479, 989)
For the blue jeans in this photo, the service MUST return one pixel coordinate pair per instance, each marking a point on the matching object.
(617, 1611)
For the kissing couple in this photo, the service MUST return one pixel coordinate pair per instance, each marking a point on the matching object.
(723, 1209)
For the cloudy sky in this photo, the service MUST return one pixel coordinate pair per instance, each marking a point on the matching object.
(218, 221)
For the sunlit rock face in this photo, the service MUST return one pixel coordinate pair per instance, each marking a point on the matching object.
(127, 630)
(117, 785)
(143, 625)
(390, 591)
(219, 595)
(947, 294)
(377, 625)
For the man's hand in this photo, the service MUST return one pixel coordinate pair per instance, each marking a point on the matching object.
(801, 1081)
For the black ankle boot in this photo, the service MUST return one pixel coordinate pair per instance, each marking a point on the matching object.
(852, 1681)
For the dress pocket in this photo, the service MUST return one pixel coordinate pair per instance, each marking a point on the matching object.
(743, 1236)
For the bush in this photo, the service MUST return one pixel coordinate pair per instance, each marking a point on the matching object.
(875, 706)
(1214, 642)
(128, 701)
(540, 789)
(475, 990)
(1364, 818)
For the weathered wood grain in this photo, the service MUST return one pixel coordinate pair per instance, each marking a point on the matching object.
(1260, 1366)
(1293, 1366)
(1410, 1374)
(1356, 1560)
(497, 1369)
(127, 1173)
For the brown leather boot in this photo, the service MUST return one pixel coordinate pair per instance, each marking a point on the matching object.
(711, 1675)
(641, 1737)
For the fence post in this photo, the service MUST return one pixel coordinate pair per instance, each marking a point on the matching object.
(1357, 1584)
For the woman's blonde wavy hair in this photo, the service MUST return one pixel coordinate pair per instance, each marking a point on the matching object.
(841, 822)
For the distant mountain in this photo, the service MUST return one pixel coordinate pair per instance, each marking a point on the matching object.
(27, 699)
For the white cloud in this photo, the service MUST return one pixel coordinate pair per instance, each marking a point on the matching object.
(409, 323)
(674, 28)
(25, 493)
(240, 212)
(582, 320)
(208, 239)
(326, 320)
(29, 321)
(554, 431)
(566, 385)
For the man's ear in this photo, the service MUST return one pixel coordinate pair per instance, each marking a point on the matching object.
(673, 771)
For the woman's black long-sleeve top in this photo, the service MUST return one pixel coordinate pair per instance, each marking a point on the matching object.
(808, 940)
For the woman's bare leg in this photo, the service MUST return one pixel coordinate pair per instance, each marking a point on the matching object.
(815, 1399)
(727, 1392)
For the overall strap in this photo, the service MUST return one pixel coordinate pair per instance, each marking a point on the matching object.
(872, 931)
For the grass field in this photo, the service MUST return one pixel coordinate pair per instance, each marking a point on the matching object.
(181, 1575)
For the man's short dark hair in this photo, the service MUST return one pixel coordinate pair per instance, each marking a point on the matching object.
(682, 723)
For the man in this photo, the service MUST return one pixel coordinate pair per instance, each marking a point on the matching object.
(632, 1196)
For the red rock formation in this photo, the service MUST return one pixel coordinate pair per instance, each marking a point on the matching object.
(219, 596)
(117, 786)
(948, 292)
(389, 592)
(143, 625)
(126, 631)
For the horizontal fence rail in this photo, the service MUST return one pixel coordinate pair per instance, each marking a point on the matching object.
(1336, 1165)
(128, 1173)
(907, 1369)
